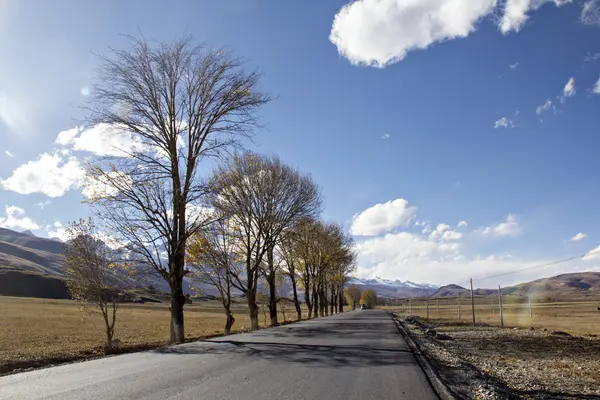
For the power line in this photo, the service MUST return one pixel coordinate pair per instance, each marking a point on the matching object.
(539, 266)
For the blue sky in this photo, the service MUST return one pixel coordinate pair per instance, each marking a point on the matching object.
(413, 115)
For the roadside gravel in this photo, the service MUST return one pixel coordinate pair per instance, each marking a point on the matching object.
(486, 362)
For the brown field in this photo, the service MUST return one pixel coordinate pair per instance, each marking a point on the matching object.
(576, 318)
(33, 329)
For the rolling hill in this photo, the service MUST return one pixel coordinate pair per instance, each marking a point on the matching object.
(31, 266)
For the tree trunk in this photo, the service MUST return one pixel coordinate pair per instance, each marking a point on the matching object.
(253, 310)
(316, 302)
(309, 304)
(229, 322)
(341, 301)
(177, 303)
(272, 288)
(296, 302)
(332, 303)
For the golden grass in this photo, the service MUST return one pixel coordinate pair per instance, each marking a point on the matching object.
(42, 328)
(577, 318)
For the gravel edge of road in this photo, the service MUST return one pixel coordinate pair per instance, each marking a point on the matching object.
(443, 392)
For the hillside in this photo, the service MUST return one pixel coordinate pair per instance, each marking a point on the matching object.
(572, 286)
(575, 285)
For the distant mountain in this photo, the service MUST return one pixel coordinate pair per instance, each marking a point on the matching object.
(393, 288)
(572, 286)
(28, 233)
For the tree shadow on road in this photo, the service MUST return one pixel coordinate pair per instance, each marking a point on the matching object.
(313, 355)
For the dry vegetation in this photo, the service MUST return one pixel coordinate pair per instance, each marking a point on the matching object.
(555, 354)
(486, 362)
(57, 330)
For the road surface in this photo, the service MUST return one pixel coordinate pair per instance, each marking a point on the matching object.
(356, 355)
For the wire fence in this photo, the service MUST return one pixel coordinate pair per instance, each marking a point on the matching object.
(577, 316)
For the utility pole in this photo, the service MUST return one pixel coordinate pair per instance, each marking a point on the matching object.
(427, 305)
(530, 310)
(472, 301)
(458, 304)
(500, 304)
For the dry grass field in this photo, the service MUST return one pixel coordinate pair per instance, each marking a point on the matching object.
(42, 329)
(576, 318)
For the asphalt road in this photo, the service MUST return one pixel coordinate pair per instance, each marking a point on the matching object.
(357, 355)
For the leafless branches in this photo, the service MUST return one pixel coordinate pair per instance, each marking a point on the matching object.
(178, 103)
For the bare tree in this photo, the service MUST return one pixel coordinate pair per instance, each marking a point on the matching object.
(287, 252)
(261, 197)
(213, 260)
(175, 103)
(94, 274)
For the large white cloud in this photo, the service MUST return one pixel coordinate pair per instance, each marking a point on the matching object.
(515, 13)
(380, 32)
(51, 174)
(100, 139)
(382, 217)
(16, 218)
(413, 257)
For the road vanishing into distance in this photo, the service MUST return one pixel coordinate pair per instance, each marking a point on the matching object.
(351, 356)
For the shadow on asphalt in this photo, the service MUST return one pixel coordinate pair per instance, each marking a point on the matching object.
(315, 355)
(362, 339)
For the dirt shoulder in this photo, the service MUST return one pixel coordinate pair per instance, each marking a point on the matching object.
(486, 362)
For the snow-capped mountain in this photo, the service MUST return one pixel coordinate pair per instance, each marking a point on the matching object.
(394, 288)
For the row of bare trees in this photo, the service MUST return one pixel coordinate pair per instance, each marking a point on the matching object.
(172, 106)
(266, 229)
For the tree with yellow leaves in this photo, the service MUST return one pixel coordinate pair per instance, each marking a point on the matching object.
(95, 274)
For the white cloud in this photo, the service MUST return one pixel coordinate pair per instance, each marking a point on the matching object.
(593, 254)
(412, 257)
(515, 13)
(382, 217)
(591, 57)
(514, 66)
(590, 13)
(42, 204)
(51, 174)
(57, 230)
(442, 232)
(578, 237)
(461, 224)
(103, 187)
(569, 90)
(510, 227)
(385, 136)
(545, 107)
(10, 154)
(101, 140)
(380, 32)
(596, 88)
(66, 137)
(16, 219)
(504, 123)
